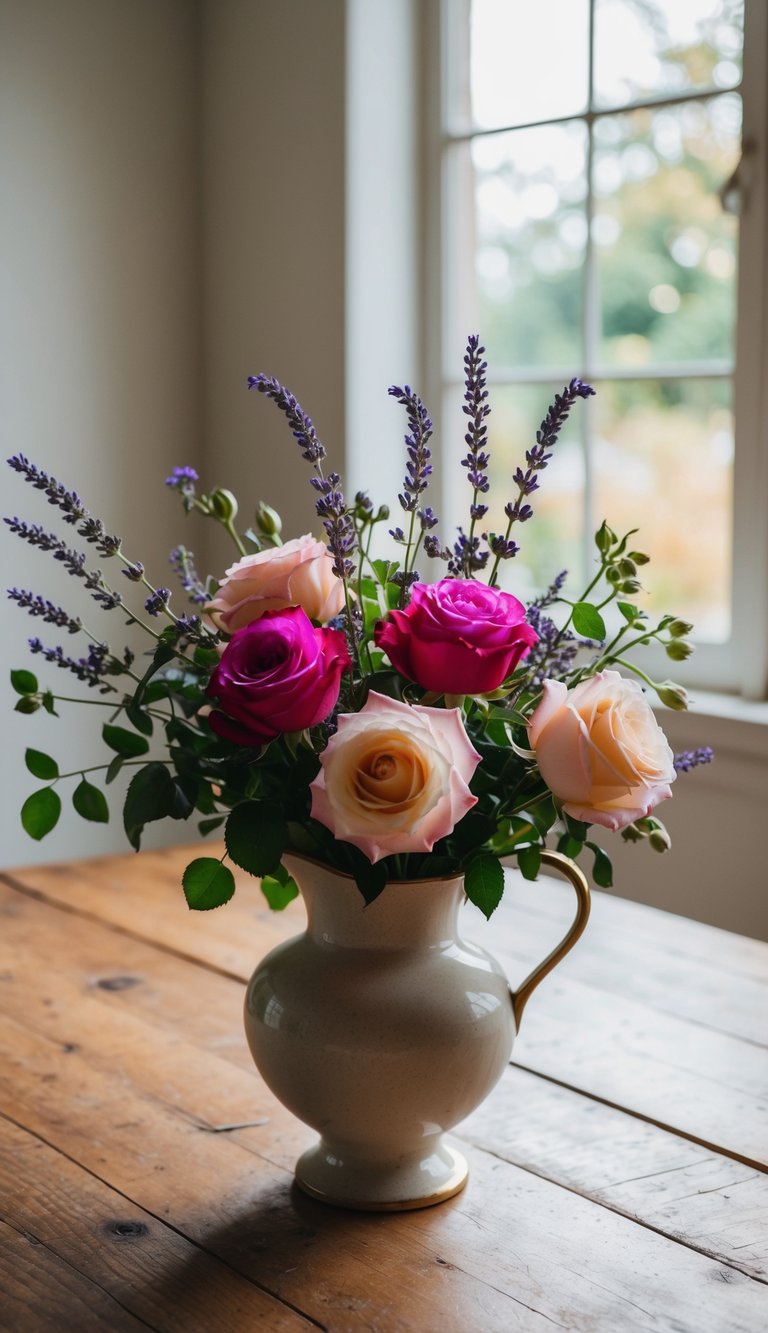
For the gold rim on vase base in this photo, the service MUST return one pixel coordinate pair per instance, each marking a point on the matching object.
(454, 1187)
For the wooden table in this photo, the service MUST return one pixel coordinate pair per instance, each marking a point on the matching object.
(618, 1171)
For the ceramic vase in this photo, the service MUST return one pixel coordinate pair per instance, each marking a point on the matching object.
(382, 1029)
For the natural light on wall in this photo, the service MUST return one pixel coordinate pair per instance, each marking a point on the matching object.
(592, 145)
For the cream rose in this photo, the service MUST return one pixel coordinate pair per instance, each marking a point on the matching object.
(300, 573)
(600, 749)
(394, 777)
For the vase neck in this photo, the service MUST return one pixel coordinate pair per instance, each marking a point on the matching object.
(417, 914)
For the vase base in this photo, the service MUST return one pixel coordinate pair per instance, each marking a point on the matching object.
(404, 1187)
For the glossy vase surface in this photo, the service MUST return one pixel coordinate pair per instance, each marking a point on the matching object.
(382, 1029)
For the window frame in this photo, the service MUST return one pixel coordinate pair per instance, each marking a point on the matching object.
(740, 665)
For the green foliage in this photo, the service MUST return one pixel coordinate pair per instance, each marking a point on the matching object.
(40, 812)
(152, 794)
(41, 765)
(588, 622)
(126, 743)
(23, 682)
(484, 882)
(279, 889)
(207, 884)
(90, 803)
(529, 861)
(256, 836)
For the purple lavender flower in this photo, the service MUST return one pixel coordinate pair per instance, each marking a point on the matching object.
(90, 669)
(688, 759)
(301, 425)
(72, 560)
(48, 611)
(72, 507)
(182, 562)
(134, 571)
(418, 468)
(157, 601)
(546, 437)
(337, 521)
(182, 479)
(477, 408)
(57, 494)
(467, 557)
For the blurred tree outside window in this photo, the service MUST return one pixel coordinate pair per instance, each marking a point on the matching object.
(591, 227)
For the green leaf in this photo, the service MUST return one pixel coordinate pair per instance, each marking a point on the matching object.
(385, 569)
(48, 703)
(370, 879)
(529, 861)
(484, 882)
(90, 803)
(207, 884)
(602, 870)
(207, 826)
(577, 829)
(40, 812)
(24, 682)
(279, 889)
(205, 657)
(114, 768)
(628, 611)
(152, 794)
(126, 743)
(588, 622)
(255, 837)
(141, 721)
(41, 765)
(570, 846)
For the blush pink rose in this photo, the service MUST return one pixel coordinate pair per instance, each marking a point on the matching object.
(300, 573)
(394, 778)
(600, 750)
(457, 636)
(275, 675)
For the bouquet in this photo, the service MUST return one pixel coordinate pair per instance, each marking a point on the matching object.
(321, 699)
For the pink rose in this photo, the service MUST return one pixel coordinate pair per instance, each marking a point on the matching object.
(457, 636)
(600, 749)
(394, 777)
(277, 674)
(300, 573)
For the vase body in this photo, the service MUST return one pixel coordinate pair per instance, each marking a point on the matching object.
(381, 1029)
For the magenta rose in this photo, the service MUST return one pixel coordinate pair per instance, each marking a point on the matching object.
(275, 675)
(457, 636)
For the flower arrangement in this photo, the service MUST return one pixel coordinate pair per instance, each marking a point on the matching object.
(321, 700)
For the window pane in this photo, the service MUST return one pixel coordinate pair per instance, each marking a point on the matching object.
(663, 462)
(530, 241)
(528, 62)
(665, 249)
(657, 48)
(552, 539)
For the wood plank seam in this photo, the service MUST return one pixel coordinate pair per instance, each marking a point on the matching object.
(648, 1119)
(622, 1212)
(163, 1221)
(66, 1263)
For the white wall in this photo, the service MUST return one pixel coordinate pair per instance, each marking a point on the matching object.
(99, 324)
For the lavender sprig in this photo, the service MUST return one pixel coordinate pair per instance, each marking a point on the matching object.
(477, 408)
(157, 601)
(302, 426)
(338, 523)
(688, 759)
(90, 669)
(72, 560)
(518, 510)
(48, 611)
(418, 470)
(69, 502)
(182, 562)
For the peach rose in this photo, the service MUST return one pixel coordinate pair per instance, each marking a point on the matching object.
(300, 573)
(600, 749)
(394, 777)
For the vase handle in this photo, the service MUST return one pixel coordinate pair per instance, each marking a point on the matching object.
(571, 872)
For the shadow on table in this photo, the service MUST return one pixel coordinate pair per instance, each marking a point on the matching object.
(323, 1260)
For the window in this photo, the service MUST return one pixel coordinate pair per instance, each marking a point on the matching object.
(603, 215)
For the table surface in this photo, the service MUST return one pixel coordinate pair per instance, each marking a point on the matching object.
(618, 1172)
